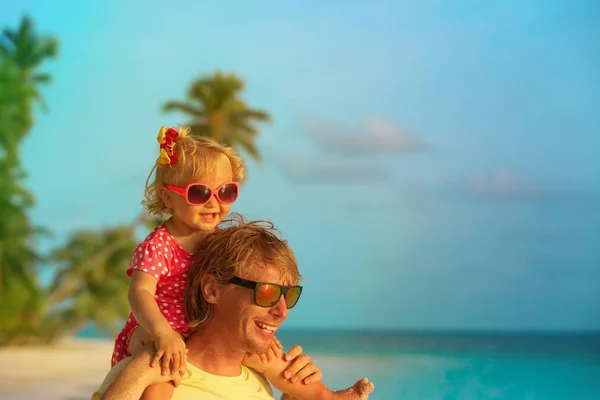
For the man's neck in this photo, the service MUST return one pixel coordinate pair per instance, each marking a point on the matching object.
(211, 352)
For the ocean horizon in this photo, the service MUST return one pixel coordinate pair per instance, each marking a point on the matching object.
(445, 365)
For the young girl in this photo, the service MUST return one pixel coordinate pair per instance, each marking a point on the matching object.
(193, 185)
(195, 181)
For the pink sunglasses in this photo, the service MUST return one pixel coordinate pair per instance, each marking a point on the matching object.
(197, 194)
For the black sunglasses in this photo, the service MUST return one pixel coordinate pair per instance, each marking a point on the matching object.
(267, 294)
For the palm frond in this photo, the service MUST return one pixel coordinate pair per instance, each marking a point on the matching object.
(247, 144)
(185, 108)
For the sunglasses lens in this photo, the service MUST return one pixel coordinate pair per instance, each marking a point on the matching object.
(292, 296)
(198, 194)
(267, 295)
(228, 193)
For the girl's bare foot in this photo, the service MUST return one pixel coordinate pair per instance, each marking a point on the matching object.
(359, 391)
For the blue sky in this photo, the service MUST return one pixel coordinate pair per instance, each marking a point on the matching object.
(434, 164)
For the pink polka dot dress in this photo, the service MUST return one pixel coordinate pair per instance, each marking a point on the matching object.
(162, 257)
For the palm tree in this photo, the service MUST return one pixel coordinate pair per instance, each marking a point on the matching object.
(91, 278)
(21, 295)
(21, 53)
(15, 118)
(217, 111)
(27, 51)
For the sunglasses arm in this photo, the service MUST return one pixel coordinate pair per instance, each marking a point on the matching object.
(176, 189)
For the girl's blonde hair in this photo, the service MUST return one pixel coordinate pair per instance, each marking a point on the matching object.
(196, 156)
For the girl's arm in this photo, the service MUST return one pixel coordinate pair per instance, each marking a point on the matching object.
(145, 310)
(142, 289)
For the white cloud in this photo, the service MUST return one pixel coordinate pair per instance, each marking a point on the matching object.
(349, 155)
(500, 183)
(503, 183)
(377, 136)
(313, 169)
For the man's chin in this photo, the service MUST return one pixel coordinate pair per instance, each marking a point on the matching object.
(256, 347)
(256, 342)
(261, 349)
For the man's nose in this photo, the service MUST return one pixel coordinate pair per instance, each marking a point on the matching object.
(280, 309)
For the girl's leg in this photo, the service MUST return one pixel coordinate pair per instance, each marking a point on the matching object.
(138, 339)
(273, 371)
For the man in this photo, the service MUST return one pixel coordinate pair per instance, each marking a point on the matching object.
(239, 292)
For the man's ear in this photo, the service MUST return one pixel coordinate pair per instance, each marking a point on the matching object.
(211, 289)
(166, 196)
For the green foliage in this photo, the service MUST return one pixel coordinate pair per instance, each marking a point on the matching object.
(91, 284)
(26, 50)
(21, 296)
(216, 110)
(15, 118)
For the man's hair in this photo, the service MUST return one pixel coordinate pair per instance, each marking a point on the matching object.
(235, 247)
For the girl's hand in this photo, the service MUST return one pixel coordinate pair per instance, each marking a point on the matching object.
(171, 348)
(151, 375)
(302, 369)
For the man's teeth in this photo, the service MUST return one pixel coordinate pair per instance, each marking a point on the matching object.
(265, 327)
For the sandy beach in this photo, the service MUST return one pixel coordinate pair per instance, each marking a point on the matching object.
(68, 370)
(73, 368)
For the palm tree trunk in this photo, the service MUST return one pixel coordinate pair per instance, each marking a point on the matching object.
(216, 122)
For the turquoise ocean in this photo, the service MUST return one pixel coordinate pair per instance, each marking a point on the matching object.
(453, 365)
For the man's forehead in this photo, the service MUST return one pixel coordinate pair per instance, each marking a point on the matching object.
(263, 272)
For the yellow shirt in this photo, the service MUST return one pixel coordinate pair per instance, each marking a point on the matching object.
(200, 385)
